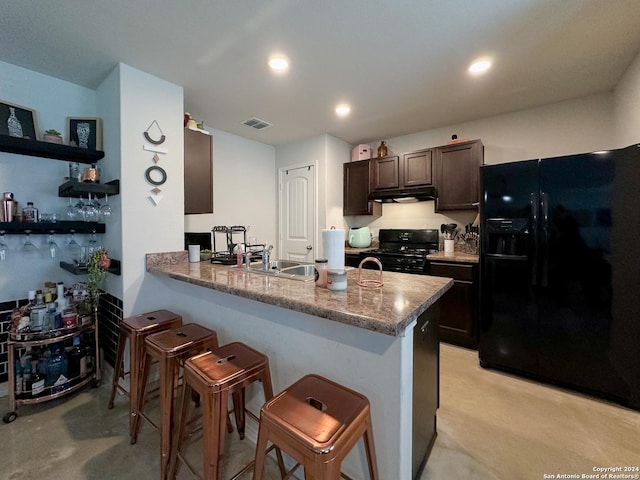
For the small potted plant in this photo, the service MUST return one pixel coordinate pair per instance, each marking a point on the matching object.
(52, 136)
(99, 263)
(205, 255)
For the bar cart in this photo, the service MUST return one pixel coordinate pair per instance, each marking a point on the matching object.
(87, 328)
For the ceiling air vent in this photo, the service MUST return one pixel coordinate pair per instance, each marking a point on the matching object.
(256, 123)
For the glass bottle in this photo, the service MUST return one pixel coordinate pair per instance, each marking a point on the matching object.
(57, 369)
(77, 360)
(30, 213)
(321, 272)
(382, 150)
(13, 124)
(19, 379)
(35, 385)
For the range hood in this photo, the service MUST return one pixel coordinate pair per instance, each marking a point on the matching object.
(404, 195)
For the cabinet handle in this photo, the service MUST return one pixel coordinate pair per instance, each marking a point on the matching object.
(423, 328)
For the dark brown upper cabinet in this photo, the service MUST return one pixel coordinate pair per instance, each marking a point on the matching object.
(457, 175)
(417, 168)
(198, 172)
(357, 186)
(412, 169)
(385, 172)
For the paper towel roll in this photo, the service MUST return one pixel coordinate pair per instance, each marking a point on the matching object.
(333, 248)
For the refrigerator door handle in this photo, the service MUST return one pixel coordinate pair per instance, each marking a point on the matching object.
(533, 203)
(544, 206)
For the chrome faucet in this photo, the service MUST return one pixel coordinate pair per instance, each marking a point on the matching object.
(265, 258)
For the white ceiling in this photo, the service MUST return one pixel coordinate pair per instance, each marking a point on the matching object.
(399, 63)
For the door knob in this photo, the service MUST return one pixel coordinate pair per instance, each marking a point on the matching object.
(309, 248)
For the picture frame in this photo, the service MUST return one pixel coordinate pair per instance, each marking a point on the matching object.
(85, 132)
(18, 121)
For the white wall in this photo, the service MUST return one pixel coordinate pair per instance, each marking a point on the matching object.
(37, 179)
(327, 154)
(244, 188)
(147, 227)
(574, 126)
(627, 106)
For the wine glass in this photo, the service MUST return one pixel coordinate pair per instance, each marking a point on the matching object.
(90, 212)
(92, 244)
(4, 248)
(70, 211)
(79, 209)
(105, 209)
(74, 248)
(53, 246)
(29, 246)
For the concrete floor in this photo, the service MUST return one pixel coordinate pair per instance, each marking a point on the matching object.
(491, 426)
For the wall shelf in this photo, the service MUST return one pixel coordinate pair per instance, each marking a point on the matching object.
(77, 189)
(83, 270)
(39, 228)
(34, 148)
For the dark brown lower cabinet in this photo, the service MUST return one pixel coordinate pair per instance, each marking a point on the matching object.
(352, 259)
(459, 306)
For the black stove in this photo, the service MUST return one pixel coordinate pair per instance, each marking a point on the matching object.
(403, 250)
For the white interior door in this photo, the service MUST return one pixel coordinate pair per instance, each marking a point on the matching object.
(297, 205)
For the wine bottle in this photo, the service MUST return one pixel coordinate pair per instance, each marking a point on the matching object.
(35, 386)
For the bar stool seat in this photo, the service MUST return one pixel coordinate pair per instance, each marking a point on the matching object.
(317, 422)
(135, 329)
(169, 348)
(215, 376)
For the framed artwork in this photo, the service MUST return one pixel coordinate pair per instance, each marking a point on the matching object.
(17, 121)
(85, 132)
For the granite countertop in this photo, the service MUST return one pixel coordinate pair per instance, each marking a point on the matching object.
(388, 309)
(459, 257)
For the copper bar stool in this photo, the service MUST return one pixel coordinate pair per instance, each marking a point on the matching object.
(317, 422)
(135, 329)
(216, 375)
(169, 348)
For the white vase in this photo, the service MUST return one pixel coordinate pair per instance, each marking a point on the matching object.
(13, 124)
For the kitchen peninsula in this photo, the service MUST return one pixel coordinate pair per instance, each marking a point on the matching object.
(363, 338)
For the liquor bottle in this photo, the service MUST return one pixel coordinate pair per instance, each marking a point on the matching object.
(77, 359)
(30, 213)
(35, 386)
(57, 371)
(25, 360)
(19, 380)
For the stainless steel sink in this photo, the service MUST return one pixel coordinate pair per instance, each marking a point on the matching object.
(290, 269)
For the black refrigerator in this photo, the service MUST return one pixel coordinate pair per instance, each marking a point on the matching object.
(560, 271)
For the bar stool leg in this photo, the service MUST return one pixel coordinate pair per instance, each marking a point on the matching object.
(137, 350)
(166, 409)
(145, 367)
(181, 430)
(238, 411)
(267, 388)
(213, 415)
(118, 369)
(261, 448)
(371, 451)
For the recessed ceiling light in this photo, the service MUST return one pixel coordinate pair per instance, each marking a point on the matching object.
(343, 110)
(479, 66)
(279, 63)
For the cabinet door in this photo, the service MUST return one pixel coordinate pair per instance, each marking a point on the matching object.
(458, 307)
(416, 168)
(386, 172)
(457, 173)
(198, 172)
(357, 183)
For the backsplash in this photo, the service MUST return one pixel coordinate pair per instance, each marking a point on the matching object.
(411, 215)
